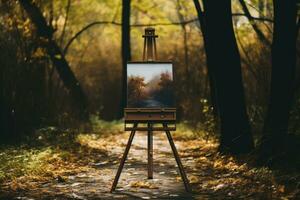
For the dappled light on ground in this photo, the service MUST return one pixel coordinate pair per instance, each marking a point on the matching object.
(74, 165)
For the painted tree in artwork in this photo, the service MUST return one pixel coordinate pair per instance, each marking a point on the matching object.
(136, 92)
(165, 89)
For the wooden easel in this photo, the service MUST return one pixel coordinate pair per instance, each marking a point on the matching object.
(151, 117)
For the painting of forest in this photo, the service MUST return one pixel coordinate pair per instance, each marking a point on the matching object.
(150, 85)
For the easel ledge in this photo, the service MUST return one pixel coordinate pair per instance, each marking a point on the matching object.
(153, 116)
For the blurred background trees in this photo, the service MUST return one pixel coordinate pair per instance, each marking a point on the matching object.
(47, 72)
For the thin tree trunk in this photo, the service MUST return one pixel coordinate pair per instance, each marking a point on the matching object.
(282, 79)
(259, 33)
(201, 19)
(45, 33)
(186, 53)
(126, 53)
(185, 39)
(261, 7)
(65, 23)
(224, 58)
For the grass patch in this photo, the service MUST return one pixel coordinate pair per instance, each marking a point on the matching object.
(185, 131)
(102, 127)
(51, 152)
(17, 162)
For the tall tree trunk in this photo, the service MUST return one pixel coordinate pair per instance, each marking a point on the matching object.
(282, 77)
(126, 53)
(179, 8)
(224, 58)
(45, 32)
(201, 19)
(186, 57)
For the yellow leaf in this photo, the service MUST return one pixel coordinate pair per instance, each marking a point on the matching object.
(281, 188)
(38, 53)
(141, 184)
(194, 179)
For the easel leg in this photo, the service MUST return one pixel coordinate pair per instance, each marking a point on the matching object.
(150, 151)
(176, 155)
(123, 159)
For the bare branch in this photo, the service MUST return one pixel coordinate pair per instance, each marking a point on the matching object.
(254, 18)
(84, 29)
(251, 19)
(145, 25)
(247, 60)
(167, 23)
(120, 24)
(261, 15)
(58, 59)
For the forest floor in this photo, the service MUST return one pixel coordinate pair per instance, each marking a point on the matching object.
(57, 164)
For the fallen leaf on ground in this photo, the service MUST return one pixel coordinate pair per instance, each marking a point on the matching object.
(142, 184)
(194, 179)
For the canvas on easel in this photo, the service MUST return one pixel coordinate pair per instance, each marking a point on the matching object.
(150, 85)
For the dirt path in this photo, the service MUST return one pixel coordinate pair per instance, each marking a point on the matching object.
(133, 183)
(212, 176)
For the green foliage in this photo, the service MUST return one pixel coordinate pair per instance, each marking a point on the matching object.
(105, 127)
(16, 162)
(209, 123)
(184, 131)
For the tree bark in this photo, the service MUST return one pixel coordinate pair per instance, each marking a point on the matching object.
(45, 33)
(224, 58)
(282, 77)
(201, 19)
(126, 53)
(298, 27)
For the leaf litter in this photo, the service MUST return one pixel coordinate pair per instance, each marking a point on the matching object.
(55, 169)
